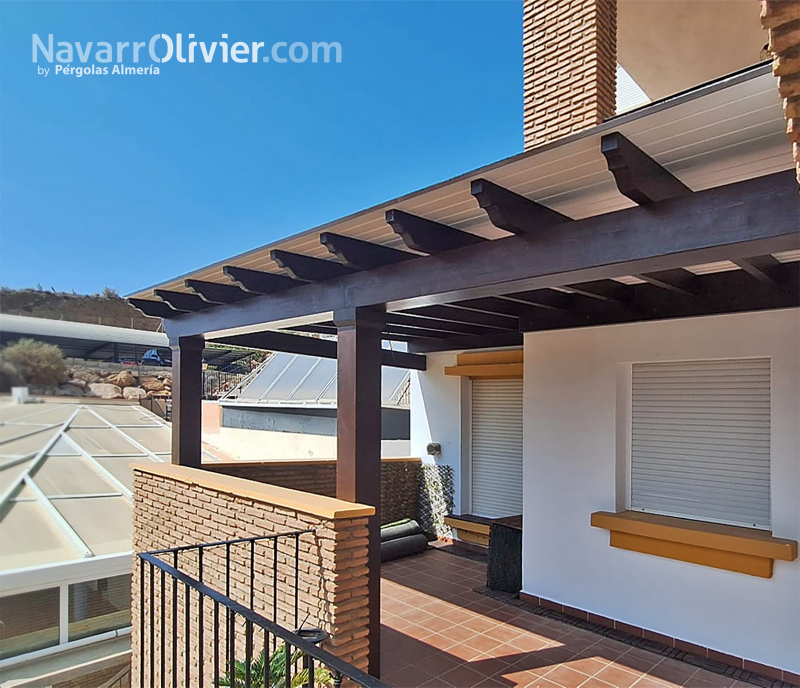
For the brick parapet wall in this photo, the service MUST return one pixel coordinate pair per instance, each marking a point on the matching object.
(782, 19)
(570, 66)
(175, 511)
(400, 480)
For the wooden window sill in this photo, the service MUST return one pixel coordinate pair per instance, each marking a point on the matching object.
(731, 548)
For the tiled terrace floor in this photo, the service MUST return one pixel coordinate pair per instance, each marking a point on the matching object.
(436, 631)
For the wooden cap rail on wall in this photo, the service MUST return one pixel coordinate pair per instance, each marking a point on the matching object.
(488, 364)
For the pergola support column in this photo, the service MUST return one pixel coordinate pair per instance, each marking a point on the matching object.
(187, 404)
(358, 458)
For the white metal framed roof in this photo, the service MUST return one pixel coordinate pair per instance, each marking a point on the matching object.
(65, 479)
(292, 380)
(44, 327)
(720, 133)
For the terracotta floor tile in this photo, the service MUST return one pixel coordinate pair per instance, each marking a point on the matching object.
(439, 632)
(587, 665)
(639, 660)
(464, 652)
(479, 624)
(707, 679)
(459, 633)
(439, 641)
(439, 663)
(409, 677)
(484, 643)
(595, 682)
(564, 676)
(504, 632)
(457, 615)
(463, 677)
(618, 677)
(437, 683)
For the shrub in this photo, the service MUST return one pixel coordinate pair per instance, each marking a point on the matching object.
(36, 362)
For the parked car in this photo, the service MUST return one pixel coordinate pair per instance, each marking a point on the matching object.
(157, 357)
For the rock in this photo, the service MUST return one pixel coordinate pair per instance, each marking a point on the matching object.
(42, 390)
(104, 390)
(133, 393)
(85, 375)
(152, 384)
(68, 390)
(76, 382)
(123, 379)
(159, 394)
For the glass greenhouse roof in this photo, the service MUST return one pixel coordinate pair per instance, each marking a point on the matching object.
(295, 380)
(65, 478)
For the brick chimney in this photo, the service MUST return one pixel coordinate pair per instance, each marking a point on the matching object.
(782, 19)
(570, 66)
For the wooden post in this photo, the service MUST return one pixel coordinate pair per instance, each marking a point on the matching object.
(187, 404)
(358, 457)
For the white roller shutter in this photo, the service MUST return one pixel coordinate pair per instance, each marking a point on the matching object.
(496, 447)
(700, 440)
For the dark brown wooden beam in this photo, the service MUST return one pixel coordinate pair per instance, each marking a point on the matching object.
(512, 212)
(182, 302)
(436, 324)
(549, 299)
(187, 400)
(259, 282)
(724, 292)
(312, 346)
(678, 281)
(155, 309)
(753, 217)
(497, 305)
(602, 290)
(464, 315)
(362, 255)
(214, 293)
(427, 236)
(309, 269)
(487, 341)
(763, 268)
(637, 175)
(358, 442)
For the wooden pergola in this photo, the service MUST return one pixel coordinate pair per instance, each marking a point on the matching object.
(447, 289)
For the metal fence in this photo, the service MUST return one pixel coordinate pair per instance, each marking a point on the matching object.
(191, 633)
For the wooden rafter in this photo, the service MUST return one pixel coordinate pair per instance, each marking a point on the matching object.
(512, 212)
(362, 255)
(258, 281)
(427, 236)
(637, 175)
(307, 268)
(215, 293)
(154, 309)
(182, 302)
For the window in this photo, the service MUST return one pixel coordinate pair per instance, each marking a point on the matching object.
(700, 440)
(98, 606)
(28, 622)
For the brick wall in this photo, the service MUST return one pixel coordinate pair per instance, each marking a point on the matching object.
(399, 484)
(570, 56)
(175, 506)
(782, 19)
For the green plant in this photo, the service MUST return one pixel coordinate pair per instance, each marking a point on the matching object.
(109, 293)
(276, 673)
(36, 362)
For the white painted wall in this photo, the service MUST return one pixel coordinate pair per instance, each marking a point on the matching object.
(436, 410)
(571, 469)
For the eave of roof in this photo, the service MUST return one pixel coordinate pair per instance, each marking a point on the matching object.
(718, 133)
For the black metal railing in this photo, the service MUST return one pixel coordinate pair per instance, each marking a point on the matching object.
(193, 634)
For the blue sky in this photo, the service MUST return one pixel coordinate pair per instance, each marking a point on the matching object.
(124, 181)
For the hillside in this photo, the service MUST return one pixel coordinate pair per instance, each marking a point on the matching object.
(99, 309)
